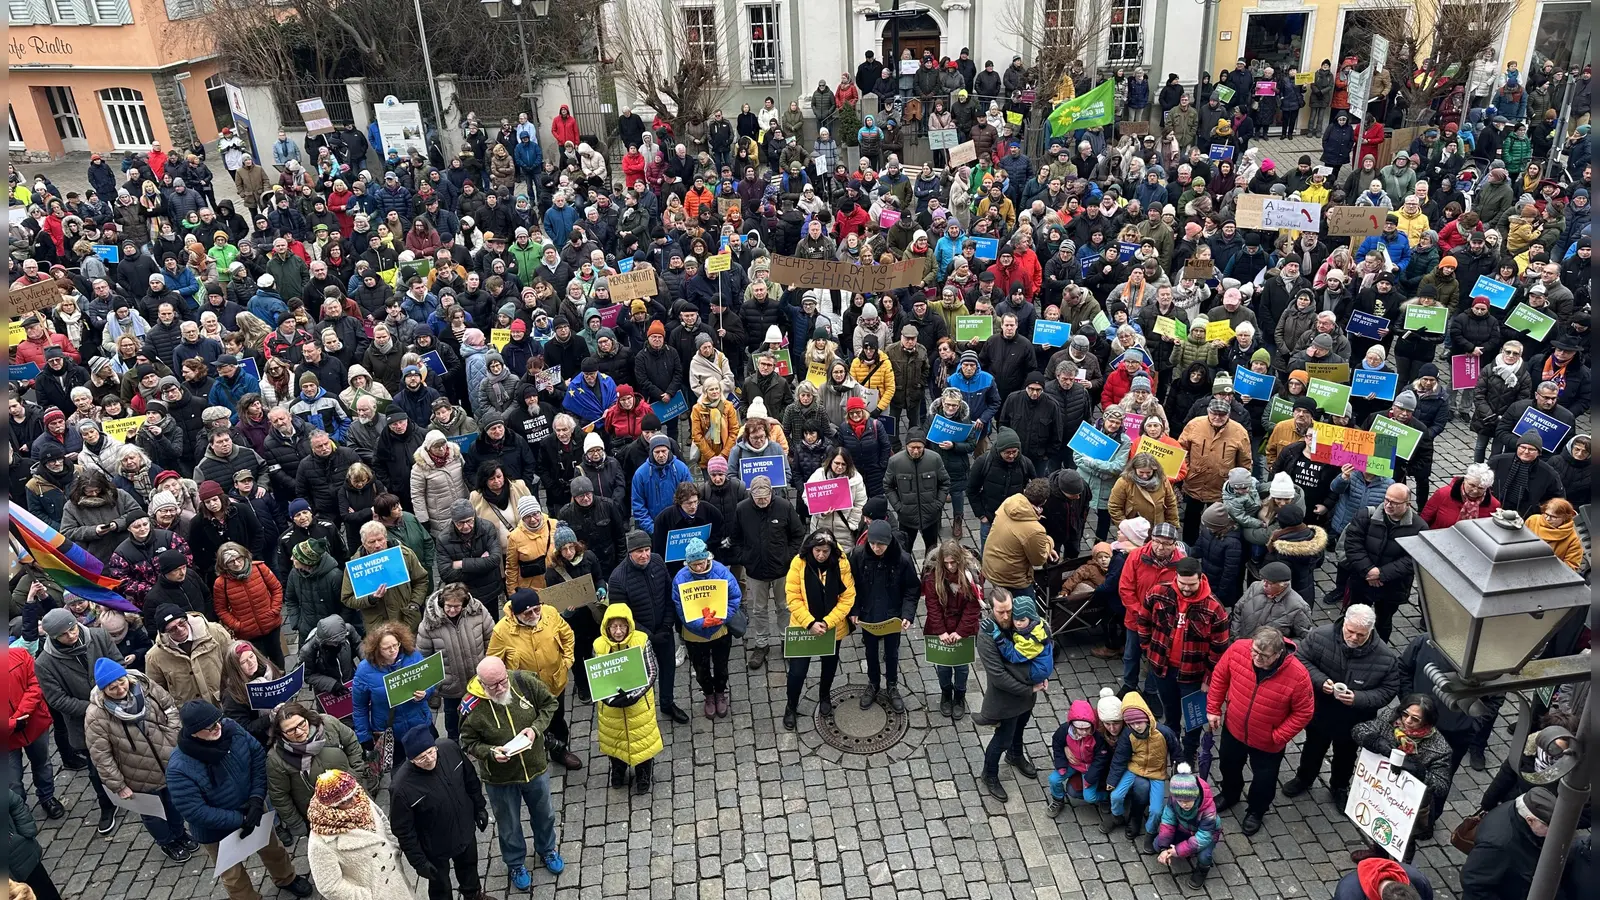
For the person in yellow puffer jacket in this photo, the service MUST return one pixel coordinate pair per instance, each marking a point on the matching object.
(1317, 190)
(1413, 222)
(532, 637)
(1145, 754)
(528, 547)
(871, 370)
(626, 721)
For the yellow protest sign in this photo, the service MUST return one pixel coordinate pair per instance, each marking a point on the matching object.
(1338, 373)
(1013, 118)
(1170, 457)
(718, 262)
(1219, 331)
(707, 598)
(18, 333)
(1328, 435)
(1305, 77)
(499, 337)
(881, 629)
(122, 429)
(816, 372)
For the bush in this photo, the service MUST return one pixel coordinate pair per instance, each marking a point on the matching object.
(848, 123)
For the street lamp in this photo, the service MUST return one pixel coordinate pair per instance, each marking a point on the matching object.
(541, 9)
(1493, 596)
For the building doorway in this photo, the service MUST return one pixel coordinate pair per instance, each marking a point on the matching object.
(1562, 36)
(1357, 37)
(1276, 39)
(919, 35)
(64, 112)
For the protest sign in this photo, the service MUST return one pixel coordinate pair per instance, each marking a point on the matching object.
(1367, 325)
(671, 409)
(609, 315)
(434, 362)
(1168, 327)
(962, 153)
(1194, 711)
(400, 684)
(122, 429)
(1222, 92)
(24, 371)
(942, 138)
(1530, 321)
(753, 467)
(1252, 385)
(1266, 88)
(1013, 118)
(569, 595)
(1338, 373)
(1304, 78)
(828, 495)
(678, 541)
(1427, 318)
(1281, 408)
(386, 568)
(1170, 457)
(1405, 436)
(942, 429)
(17, 334)
(34, 297)
(545, 379)
(1131, 423)
(1354, 221)
(1220, 330)
(638, 284)
(499, 338)
(1198, 269)
(625, 264)
(338, 705)
(832, 275)
(616, 673)
(315, 114)
(960, 653)
(110, 254)
(887, 218)
(1261, 211)
(1100, 321)
(985, 247)
(1498, 292)
(1384, 801)
(1221, 152)
(140, 804)
(464, 442)
(1463, 371)
(726, 203)
(1373, 385)
(1331, 398)
(268, 694)
(1047, 333)
(703, 598)
(974, 328)
(718, 263)
(1092, 442)
(1131, 127)
(1551, 431)
(882, 629)
(801, 642)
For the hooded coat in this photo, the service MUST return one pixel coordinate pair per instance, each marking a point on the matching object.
(1152, 756)
(464, 641)
(486, 724)
(547, 649)
(251, 604)
(625, 723)
(434, 486)
(1017, 544)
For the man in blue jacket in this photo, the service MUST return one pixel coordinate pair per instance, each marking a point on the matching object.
(655, 483)
(217, 777)
(1392, 240)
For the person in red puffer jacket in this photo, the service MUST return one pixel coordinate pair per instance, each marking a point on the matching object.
(1269, 702)
(249, 600)
(1459, 499)
(27, 724)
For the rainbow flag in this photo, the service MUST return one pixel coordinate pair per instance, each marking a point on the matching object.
(71, 567)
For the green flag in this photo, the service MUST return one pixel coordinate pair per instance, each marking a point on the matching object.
(1085, 111)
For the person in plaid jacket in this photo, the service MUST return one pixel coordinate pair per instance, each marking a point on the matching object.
(1183, 631)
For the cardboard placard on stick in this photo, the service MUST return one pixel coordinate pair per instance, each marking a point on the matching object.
(839, 276)
(569, 595)
(1133, 128)
(635, 285)
(34, 297)
(315, 114)
(1354, 221)
(963, 153)
(1198, 269)
(726, 203)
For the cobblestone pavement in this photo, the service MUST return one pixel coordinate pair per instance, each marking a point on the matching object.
(742, 808)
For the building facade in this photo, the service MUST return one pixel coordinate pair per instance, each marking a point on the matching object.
(110, 76)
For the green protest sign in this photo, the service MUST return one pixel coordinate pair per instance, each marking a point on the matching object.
(616, 673)
(1331, 398)
(1405, 436)
(1086, 111)
(1427, 318)
(1281, 408)
(801, 642)
(1530, 321)
(938, 653)
(974, 328)
(400, 684)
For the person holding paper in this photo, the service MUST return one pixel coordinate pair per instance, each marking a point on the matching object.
(131, 727)
(704, 630)
(625, 723)
(821, 593)
(1416, 346)
(1420, 464)
(887, 591)
(217, 777)
(1524, 478)
(532, 636)
(1413, 732)
(241, 667)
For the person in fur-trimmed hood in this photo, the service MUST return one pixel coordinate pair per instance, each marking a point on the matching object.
(1299, 546)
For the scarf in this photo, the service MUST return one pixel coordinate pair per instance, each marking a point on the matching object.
(1469, 507)
(1153, 483)
(1407, 741)
(499, 499)
(713, 409)
(131, 708)
(328, 820)
(1509, 374)
(1554, 372)
(1517, 488)
(209, 753)
(305, 753)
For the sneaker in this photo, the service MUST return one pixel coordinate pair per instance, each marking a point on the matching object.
(300, 887)
(520, 879)
(53, 808)
(176, 852)
(869, 696)
(1476, 761)
(1294, 788)
(554, 862)
(108, 821)
(677, 714)
(1251, 824)
(896, 702)
(1023, 766)
(722, 705)
(1057, 804)
(991, 783)
(791, 719)
(825, 707)
(190, 844)
(758, 658)
(1197, 878)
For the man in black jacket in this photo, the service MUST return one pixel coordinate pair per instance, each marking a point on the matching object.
(435, 802)
(1354, 674)
(887, 587)
(1376, 570)
(320, 475)
(641, 581)
(1037, 421)
(995, 476)
(1510, 841)
(1008, 356)
(766, 533)
(598, 522)
(470, 551)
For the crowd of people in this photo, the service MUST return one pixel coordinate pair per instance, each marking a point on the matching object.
(226, 407)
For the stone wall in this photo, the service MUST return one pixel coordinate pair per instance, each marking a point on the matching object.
(174, 110)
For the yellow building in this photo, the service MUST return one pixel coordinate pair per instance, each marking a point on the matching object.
(1303, 33)
(110, 75)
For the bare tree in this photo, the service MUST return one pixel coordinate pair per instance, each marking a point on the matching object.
(1059, 33)
(670, 59)
(1434, 43)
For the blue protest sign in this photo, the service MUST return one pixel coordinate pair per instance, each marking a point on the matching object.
(1221, 151)
(1253, 385)
(464, 442)
(1380, 385)
(24, 371)
(942, 429)
(386, 568)
(1551, 431)
(1194, 711)
(1126, 250)
(1093, 443)
(268, 694)
(1498, 292)
(110, 253)
(987, 247)
(1051, 334)
(1366, 324)
(752, 467)
(434, 362)
(672, 409)
(678, 541)
(625, 264)
(249, 365)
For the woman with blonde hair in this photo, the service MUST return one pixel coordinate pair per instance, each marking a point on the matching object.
(1143, 490)
(713, 421)
(354, 854)
(1554, 524)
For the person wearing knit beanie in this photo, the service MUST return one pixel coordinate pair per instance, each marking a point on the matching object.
(718, 465)
(1107, 708)
(336, 786)
(306, 554)
(1189, 826)
(107, 671)
(1134, 532)
(56, 623)
(527, 506)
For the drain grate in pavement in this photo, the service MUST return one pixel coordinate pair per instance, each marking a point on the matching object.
(856, 730)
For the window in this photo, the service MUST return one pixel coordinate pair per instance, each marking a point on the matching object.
(1060, 21)
(64, 110)
(16, 130)
(1126, 41)
(186, 9)
(70, 12)
(766, 59)
(111, 12)
(700, 34)
(127, 118)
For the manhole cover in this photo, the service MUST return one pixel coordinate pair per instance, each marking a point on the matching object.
(856, 730)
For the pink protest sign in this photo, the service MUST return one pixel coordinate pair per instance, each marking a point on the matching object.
(1463, 372)
(609, 314)
(338, 706)
(887, 218)
(1131, 423)
(1339, 456)
(1266, 88)
(828, 496)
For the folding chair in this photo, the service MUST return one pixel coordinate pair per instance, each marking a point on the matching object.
(1069, 613)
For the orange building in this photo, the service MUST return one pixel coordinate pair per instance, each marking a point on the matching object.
(110, 75)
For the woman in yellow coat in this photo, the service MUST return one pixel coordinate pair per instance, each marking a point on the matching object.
(1554, 525)
(626, 721)
(821, 593)
(528, 547)
(713, 423)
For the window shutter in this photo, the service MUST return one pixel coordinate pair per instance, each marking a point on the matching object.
(112, 12)
(39, 12)
(182, 9)
(21, 12)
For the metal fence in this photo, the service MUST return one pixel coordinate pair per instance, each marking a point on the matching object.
(335, 97)
(593, 123)
(492, 99)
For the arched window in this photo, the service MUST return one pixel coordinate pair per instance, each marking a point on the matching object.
(127, 119)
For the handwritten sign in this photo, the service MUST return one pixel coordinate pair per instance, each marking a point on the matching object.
(1173, 328)
(1047, 333)
(943, 138)
(638, 284)
(1093, 443)
(1551, 431)
(828, 495)
(386, 568)
(34, 297)
(1367, 325)
(569, 595)
(315, 114)
(974, 328)
(268, 694)
(1530, 321)
(1258, 211)
(753, 467)
(963, 153)
(718, 263)
(1198, 269)
(1221, 330)
(1353, 221)
(1498, 292)
(1464, 369)
(678, 541)
(1384, 802)
(1374, 385)
(831, 275)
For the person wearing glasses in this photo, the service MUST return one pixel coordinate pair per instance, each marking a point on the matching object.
(1411, 730)
(305, 744)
